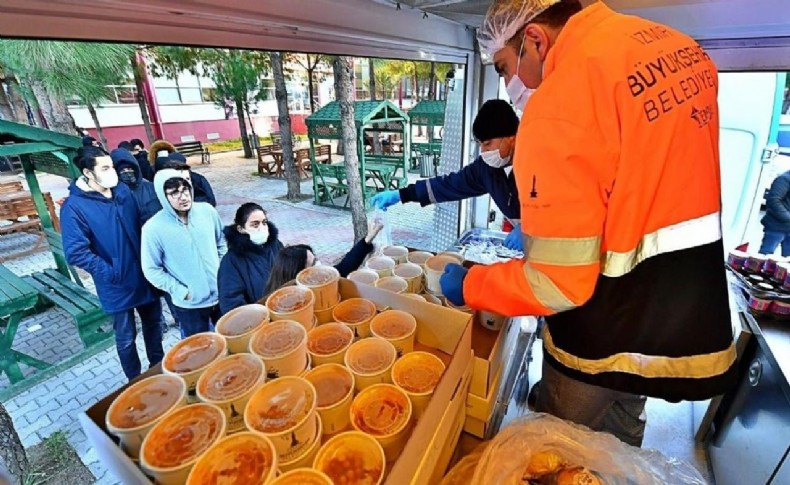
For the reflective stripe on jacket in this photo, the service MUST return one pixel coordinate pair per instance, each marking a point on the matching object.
(618, 166)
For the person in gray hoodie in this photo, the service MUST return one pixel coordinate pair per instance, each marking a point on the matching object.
(181, 249)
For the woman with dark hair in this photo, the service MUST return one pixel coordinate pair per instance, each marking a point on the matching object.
(293, 259)
(252, 247)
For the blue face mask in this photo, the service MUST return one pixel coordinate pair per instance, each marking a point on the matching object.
(260, 236)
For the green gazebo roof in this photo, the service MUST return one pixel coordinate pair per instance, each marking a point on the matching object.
(325, 123)
(428, 112)
(49, 151)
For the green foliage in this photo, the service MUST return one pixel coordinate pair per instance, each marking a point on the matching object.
(69, 68)
(57, 445)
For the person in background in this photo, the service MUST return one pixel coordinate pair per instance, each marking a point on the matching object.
(142, 190)
(252, 247)
(624, 246)
(141, 155)
(776, 222)
(293, 259)
(491, 173)
(89, 141)
(200, 184)
(100, 224)
(181, 249)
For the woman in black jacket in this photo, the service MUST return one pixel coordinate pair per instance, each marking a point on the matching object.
(293, 259)
(252, 247)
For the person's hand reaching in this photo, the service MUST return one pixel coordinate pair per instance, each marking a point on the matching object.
(373, 230)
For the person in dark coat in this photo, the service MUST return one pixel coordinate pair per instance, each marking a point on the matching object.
(293, 259)
(101, 232)
(491, 173)
(141, 155)
(89, 141)
(200, 184)
(252, 246)
(776, 223)
(143, 191)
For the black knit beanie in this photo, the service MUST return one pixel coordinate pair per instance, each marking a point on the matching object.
(496, 119)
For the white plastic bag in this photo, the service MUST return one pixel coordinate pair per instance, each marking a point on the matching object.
(508, 458)
(385, 236)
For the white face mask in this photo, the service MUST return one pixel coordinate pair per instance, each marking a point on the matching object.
(108, 179)
(516, 90)
(260, 236)
(492, 158)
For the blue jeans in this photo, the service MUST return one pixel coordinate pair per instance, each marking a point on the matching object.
(196, 320)
(772, 239)
(126, 334)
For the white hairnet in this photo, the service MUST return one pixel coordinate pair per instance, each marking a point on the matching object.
(504, 18)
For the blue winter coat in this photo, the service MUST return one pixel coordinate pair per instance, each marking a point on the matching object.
(777, 205)
(474, 180)
(245, 268)
(102, 236)
(143, 190)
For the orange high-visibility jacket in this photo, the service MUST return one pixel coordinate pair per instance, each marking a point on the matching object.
(617, 167)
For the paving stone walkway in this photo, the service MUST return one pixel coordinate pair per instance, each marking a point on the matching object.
(51, 336)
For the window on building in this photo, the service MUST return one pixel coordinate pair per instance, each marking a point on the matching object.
(190, 95)
(267, 89)
(209, 95)
(126, 94)
(167, 96)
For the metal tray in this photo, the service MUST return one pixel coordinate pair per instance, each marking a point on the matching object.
(496, 238)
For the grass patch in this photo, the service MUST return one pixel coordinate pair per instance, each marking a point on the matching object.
(235, 143)
(57, 445)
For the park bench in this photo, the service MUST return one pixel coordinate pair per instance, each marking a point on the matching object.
(19, 212)
(194, 148)
(17, 297)
(398, 178)
(323, 153)
(267, 167)
(11, 187)
(330, 183)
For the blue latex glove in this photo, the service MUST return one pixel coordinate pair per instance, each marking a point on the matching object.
(383, 200)
(452, 283)
(515, 239)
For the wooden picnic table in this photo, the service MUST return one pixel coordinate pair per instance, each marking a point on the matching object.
(380, 173)
(16, 297)
(300, 155)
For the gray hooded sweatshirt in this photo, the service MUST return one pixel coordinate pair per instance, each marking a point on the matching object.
(183, 258)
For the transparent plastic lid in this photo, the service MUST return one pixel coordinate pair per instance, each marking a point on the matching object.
(393, 324)
(332, 383)
(354, 310)
(145, 401)
(329, 338)
(278, 338)
(183, 435)
(395, 284)
(351, 457)
(418, 372)
(364, 276)
(370, 356)
(289, 299)
(242, 458)
(194, 352)
(230, 377)
(242, 320)
(380, 263)
(317, 275)
(381, 410)
(280, 405)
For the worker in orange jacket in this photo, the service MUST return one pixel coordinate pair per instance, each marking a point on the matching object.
(617, 161)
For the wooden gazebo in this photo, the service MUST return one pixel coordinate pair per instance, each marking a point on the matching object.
(45, 151)
(428, 113)
(377, 171)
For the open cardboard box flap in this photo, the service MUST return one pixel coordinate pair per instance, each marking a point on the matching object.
(444, 331)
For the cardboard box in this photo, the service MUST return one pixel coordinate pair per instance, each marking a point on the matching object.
(490, 348)
(445, 332)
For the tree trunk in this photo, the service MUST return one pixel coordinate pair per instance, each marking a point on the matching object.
(284, 121)
(17, 99)
(138, 82)
(310, 88)
(255, 141)
(372, 84)
(99, 130)
(12, 454)
(343, 68)
(432, 82)
(245, 141)
(53, 109)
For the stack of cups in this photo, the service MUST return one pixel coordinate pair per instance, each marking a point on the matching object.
(238, 325)
(293, 303)
(189, 358)
(370, 360)
(334, 387)
(323, 282)
(284, 410)
(357, 314)
(283, 348)
(384, 412)
(418, 374)
(412, 273)
(137, 409)
(243, 458)
(382, 265)
(419, 258)
(177, 441)
(364, 276)
(399, 254)
(396, 327)
(434, 268)
(228, 384)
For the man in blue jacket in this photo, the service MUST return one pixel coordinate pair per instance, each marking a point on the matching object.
(494, 128)
(101, 234)
(777, 217)
(181, 249)
(130, 174)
